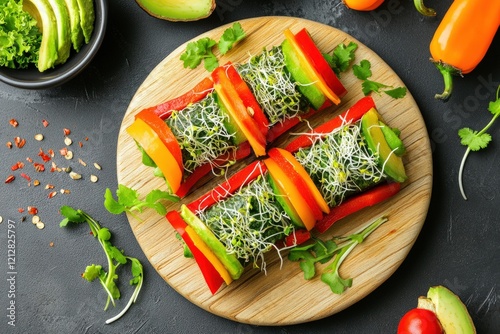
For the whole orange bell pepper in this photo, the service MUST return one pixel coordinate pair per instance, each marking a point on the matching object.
(462, 38)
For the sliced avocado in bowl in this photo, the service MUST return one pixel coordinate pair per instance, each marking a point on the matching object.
(178, 10)
(63, 30)
(87, 18)
(76, 32)
(42, 12)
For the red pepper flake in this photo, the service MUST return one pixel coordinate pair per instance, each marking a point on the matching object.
(49, 186)
(63, 151)
(50, 152)
(21, 210)
(17, 165)
(52, 194)
(45, 123)
(80, 144)
(10, 178)
(8, 144)
(39, 167)
(86, 138)
(44, 156)
(20, 142)
(29, 160)
(25, 176)
(66, 131)
(32, 210)
(14, 122)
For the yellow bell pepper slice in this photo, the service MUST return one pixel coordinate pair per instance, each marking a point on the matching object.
(292, 193)
(214, 260)
(154, 147)
(310, 70)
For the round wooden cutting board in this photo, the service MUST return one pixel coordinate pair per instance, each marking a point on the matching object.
(281, 296)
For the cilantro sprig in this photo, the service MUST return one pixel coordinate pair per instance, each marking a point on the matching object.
(363, 72)
(127, 200)
(201, 50)
(324, 251)
(477, 140)
(341, 57)
(114, 256)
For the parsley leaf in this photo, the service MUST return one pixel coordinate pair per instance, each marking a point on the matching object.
(369, 86)
(114, 256)
(477, 140)
(363, 70)
(230, 37)
(324, 251)
(396, 93)
(341, 57)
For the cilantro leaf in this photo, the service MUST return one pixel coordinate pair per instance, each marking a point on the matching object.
(342, 57)
(473, 139)
(494, 107)
(396, 93)
(92, 272)
(369, 86)
(230, 37)
(362, 71)
(111, 204)
(198, 51)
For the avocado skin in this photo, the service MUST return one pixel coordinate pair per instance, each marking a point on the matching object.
(374, 137)
(230, 261)
(178, 10)
(42, 11)
(304, 84)
(450, 310)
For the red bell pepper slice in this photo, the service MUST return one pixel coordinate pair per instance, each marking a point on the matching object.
(318, 61)
(298, 181)
(248, 98)
(297, 238)
(201, 90)
(354, 204)
(212, 277)
(229, 96)
(164, 133)
(242, 151)
(229, 187)
(352, 114)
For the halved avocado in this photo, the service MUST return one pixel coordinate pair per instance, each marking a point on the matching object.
(305, 85)
(76, 32)
(374, 137)
(449, 309)
(63, 30)
(42, 12)
(87, 18)
(178, 10)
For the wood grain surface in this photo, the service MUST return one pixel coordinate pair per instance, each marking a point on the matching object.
(281, 296)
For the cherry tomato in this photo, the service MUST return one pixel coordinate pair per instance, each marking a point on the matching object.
(419, 321)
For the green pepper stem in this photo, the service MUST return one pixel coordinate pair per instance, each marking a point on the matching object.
(447, 72)
(422, 9)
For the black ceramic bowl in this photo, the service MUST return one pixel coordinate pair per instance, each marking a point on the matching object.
(31, 78)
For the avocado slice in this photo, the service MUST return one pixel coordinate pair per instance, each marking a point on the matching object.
(230, 261)
(76, 32)
(374, 137)
(42, 12)
(304, 84)
(393, 140)
(284, 202)
(63, 30)
(449, 309)
(178, 10)
(230, 123)
(87, 18)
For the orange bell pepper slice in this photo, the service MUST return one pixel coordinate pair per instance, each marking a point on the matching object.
(164, 132)
(292, 192)
(154, 147)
